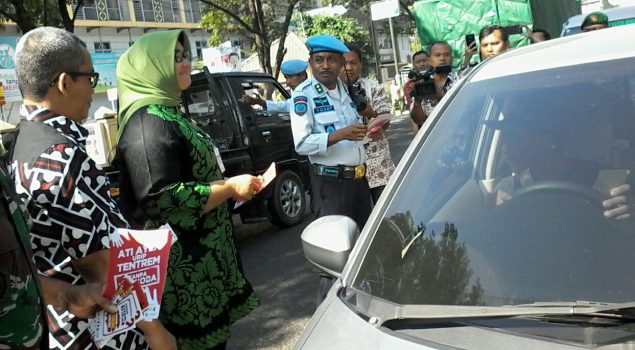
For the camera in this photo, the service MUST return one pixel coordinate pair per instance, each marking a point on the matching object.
(358, 95)
(424, 82)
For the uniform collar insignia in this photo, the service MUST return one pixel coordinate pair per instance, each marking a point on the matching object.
(318, 88)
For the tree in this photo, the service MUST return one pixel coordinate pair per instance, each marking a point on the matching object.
(263, 21)
(346, 29)
(30, 14)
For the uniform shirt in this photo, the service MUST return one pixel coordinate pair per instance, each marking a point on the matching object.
(22, 316)
(68, 197)
(317, 113)
(279, 106)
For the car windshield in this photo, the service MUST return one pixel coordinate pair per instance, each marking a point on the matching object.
(502, 202)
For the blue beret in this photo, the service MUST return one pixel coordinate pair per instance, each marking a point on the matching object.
(325, 43)
(293, 67)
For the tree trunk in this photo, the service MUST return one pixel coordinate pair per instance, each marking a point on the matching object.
(283, 37)
(67, 21)
(21, 17)
(263, 46)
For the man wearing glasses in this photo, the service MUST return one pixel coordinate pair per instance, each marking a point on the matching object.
(294, 72)
(66, 192)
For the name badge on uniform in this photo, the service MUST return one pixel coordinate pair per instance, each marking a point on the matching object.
(322, 105)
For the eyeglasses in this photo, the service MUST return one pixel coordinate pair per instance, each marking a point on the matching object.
(94, 77)
(180, 56)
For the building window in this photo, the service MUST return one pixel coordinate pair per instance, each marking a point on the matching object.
(144, 11)
(166, 9)
(114, 10)
(88, 12)
(200, 45)
(102, 47)
(176, 12)
(192, 11)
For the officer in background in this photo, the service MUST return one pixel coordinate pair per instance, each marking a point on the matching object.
(327, 128)
(595, 21)
(294, 72)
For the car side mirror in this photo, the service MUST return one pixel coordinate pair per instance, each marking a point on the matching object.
(328, 241)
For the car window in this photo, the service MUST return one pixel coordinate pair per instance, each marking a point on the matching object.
(502, 203)
(265, 88)
(209, 112)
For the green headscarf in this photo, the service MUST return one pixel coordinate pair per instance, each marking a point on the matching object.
(146, 75)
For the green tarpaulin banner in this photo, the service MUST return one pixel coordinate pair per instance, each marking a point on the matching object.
(451, 20)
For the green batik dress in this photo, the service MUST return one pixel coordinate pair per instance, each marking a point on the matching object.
(167, 164)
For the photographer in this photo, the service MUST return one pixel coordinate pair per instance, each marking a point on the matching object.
(419, 64)
(493, 40)
(443, 78)
(371, 101)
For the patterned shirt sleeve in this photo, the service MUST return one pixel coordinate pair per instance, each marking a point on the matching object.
(76, 193)
(379, 100)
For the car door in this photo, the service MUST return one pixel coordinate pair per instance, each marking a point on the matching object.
(269, 131)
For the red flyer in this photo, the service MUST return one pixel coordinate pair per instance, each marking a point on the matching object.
(267, 177)
(131, 303)
(141, 256)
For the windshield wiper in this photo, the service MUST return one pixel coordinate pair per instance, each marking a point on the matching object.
(382, 311)
(624, 310)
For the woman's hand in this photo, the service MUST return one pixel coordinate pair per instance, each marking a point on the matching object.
(244, 187)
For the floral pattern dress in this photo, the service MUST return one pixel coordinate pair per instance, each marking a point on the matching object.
(168, 163)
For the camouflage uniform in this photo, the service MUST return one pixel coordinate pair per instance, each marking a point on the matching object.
(22, 317)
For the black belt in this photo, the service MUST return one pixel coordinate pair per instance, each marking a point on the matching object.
(342, 171)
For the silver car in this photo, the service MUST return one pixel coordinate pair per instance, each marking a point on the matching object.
(509, 223)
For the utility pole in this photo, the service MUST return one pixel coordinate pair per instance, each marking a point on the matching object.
(387, 9)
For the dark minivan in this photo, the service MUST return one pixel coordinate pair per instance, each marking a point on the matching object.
(250, 139)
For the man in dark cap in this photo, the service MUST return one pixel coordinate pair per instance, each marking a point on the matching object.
(595, 21)
(328, 129)
(294, 72)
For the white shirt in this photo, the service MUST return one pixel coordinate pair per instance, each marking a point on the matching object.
(279, 106)
(316, 114)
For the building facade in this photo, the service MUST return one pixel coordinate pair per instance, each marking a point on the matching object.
(109, 27)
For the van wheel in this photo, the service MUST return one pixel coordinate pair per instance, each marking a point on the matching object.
(288, 201)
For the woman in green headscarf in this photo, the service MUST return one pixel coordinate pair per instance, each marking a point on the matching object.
(169, 173)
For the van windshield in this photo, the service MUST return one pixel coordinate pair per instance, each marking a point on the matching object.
(503, 203)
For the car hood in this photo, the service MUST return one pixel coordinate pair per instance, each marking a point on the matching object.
(336, 325)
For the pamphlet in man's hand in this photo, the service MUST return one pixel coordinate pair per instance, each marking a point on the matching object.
(378, 123)
(375, 126)
(267, 177)
(136, 277)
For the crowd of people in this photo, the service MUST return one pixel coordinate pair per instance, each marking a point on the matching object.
(57, 212)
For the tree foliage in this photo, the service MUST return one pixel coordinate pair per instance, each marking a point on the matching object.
(264, 20)
(30, 14)
(346, 29)
(418, 266)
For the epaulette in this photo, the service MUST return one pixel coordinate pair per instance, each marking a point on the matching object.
(303, 85)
